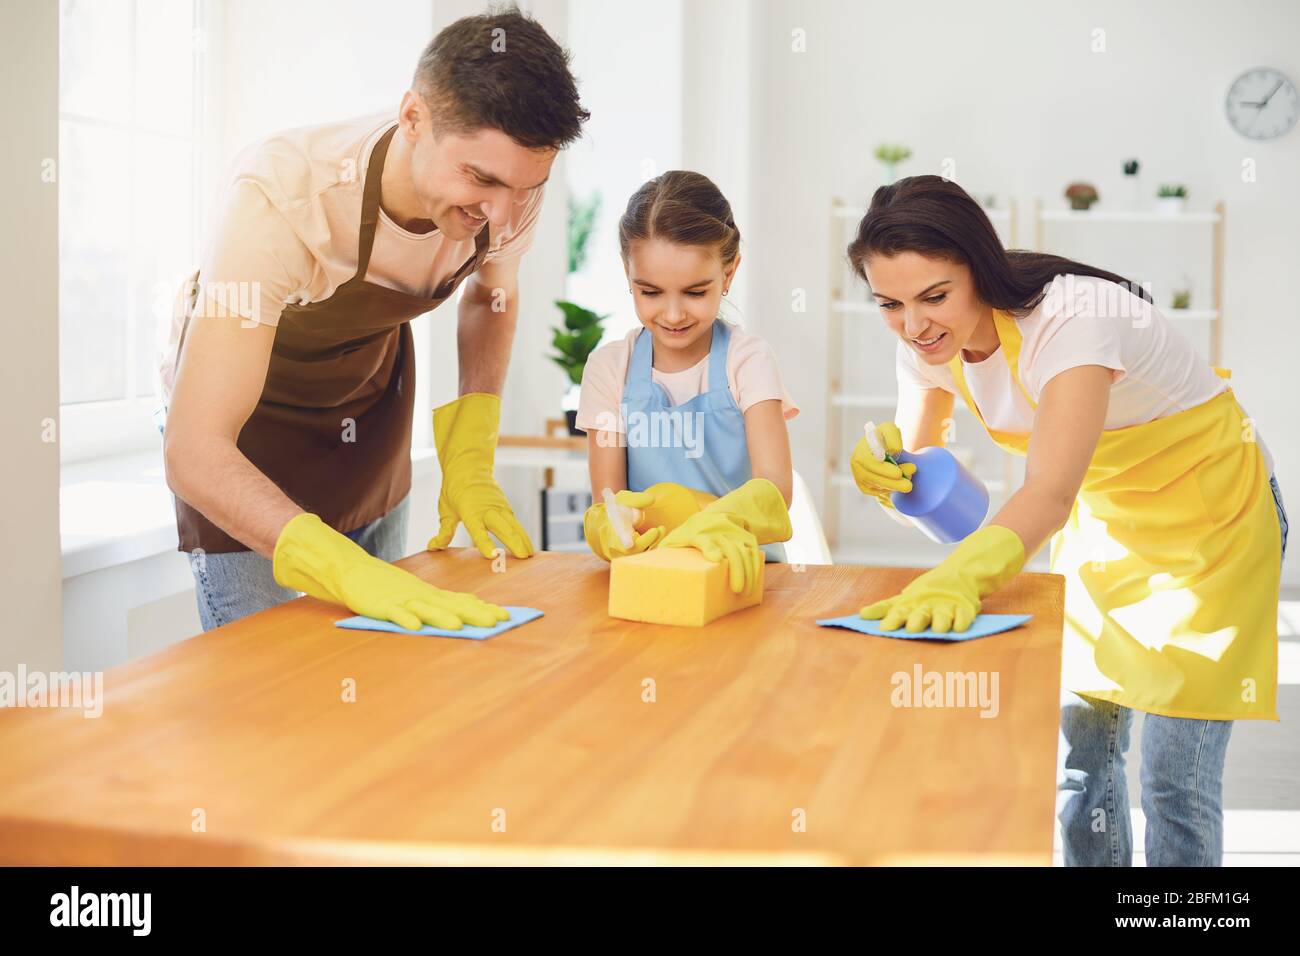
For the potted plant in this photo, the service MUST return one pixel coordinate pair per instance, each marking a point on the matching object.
(582, 222)
(1131, 169)
(573, 343)
(1182, 297)
(1171, 198)
(582, 330)
(891, 154)
(1081, 195)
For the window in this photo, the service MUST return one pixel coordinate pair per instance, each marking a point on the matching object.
(131, 93)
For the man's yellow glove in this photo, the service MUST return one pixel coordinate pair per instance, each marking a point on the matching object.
(603, 539)
(948, 597)
(732, 528)
(879, 478)
(465, 433)
(311, 556)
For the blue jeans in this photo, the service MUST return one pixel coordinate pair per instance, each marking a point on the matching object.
(239, 583)
(234, 585)
(1182, 780)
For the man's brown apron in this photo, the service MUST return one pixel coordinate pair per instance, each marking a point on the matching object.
(333, 426)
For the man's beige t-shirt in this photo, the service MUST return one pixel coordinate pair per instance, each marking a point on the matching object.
(289, 223)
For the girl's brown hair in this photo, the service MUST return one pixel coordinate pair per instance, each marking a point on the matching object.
(684, 208)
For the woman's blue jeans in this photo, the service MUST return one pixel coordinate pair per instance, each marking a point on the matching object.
(1181, 775)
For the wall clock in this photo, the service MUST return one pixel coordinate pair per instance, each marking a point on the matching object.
(1262, 104)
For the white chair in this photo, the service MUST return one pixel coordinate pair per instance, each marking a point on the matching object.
(808, 544)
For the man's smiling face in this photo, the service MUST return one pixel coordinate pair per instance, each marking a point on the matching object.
(465, 180)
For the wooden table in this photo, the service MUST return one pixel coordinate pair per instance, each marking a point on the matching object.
(768, 739)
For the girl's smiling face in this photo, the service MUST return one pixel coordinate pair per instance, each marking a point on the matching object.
(677, 290)
(930, 304)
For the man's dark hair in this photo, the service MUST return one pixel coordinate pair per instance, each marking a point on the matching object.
(501, 70)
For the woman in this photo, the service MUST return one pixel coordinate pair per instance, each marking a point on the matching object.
(1171, 525)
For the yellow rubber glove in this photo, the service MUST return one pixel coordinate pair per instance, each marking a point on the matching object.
(732, 528)
(666, 503)
(879, 478)
(465, 433)
(948, 597)
(603, 540)
(311, 556)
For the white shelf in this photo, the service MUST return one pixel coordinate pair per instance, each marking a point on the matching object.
(1124, 215)
(1192, 315)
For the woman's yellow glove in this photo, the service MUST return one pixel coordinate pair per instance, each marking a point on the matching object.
(732, 528)
(948, 597)
(311, 556)
(465, 433)
(879, 478)
(603, 539)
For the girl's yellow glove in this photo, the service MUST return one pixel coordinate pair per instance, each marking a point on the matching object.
(603, 539)
(948, 597)
(311, 556)
(732, 528)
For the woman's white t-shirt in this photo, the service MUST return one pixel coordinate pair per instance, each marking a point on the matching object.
(1082, 320)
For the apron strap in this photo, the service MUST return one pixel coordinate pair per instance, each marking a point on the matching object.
(1009, 340)
(481, 242)
(718, 355)
(642, 357)
(370, 204)
(370, 219)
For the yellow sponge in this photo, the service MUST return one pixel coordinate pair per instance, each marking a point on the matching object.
(674, 586)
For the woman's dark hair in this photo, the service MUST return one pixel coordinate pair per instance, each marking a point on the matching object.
(937, 218)
(501, 70)
(684, 208)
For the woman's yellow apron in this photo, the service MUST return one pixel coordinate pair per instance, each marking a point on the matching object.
(1172, 560)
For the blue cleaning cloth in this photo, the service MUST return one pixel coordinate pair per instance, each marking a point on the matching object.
(518, 616)
(982, 626)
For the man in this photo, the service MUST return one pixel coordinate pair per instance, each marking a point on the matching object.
(289, 379)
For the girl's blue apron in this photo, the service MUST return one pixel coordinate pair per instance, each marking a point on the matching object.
(699, 444)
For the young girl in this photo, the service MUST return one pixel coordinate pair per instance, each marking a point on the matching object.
(688, 403)
(1171, 525)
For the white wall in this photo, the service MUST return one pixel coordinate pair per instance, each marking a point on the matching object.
(29, 385)
(1013, 94)
(630, 67)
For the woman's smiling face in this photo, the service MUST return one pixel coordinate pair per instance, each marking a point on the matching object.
(931, 304)
(677, 289)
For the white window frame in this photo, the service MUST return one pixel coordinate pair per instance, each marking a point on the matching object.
(89, 430)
